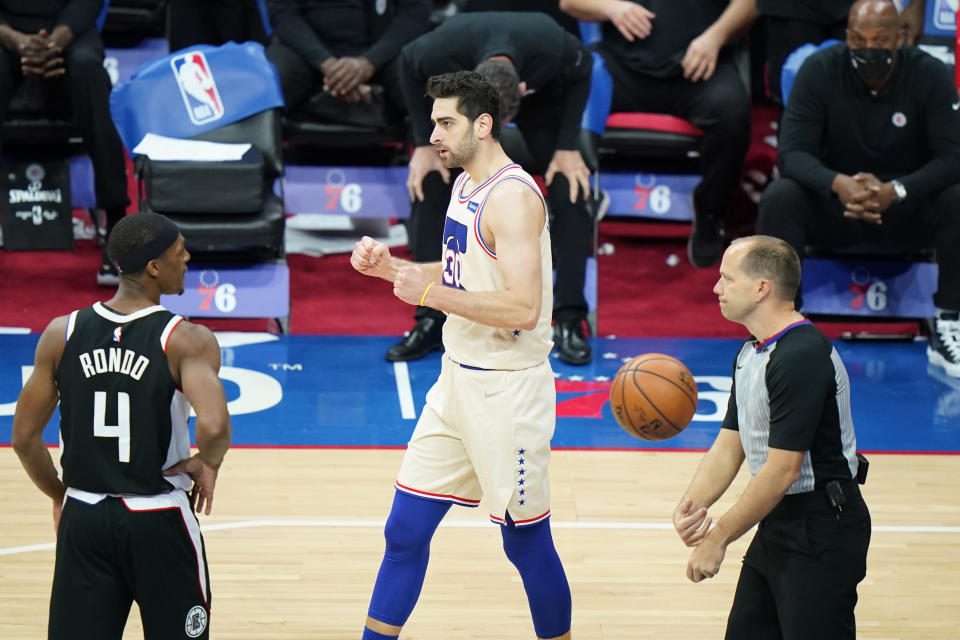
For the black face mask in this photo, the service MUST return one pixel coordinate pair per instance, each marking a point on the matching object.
(872, 65)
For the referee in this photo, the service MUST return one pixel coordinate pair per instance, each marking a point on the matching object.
(789, 417)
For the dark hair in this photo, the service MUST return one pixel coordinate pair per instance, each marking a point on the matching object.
(503, 76)
(132, 233)
(773, 259)
(475, 95)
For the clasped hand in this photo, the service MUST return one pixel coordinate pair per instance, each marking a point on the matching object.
(864, 196)
(40, 55)
(693, 527)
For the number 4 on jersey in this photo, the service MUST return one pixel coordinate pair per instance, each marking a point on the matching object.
(121, 430)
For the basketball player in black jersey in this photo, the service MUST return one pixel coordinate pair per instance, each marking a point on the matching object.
(125, 373)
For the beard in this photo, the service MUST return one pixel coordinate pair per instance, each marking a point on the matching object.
(465, 152)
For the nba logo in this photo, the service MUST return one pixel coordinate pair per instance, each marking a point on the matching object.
(197, 86)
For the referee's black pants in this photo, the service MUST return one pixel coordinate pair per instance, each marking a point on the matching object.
(800, 574)
(805, 218)
(88, 86)
(571, 226)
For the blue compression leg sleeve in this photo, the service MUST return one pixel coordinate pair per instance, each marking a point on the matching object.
(531, 551)
(408, 532)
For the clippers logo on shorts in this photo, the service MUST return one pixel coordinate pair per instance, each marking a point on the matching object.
(196, 622)
(454, 246)
(197, 86)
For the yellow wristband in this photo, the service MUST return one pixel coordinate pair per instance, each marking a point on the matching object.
(424, 296)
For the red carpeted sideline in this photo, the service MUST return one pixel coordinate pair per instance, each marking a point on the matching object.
(639, 293)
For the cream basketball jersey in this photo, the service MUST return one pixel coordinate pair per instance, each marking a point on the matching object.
(469, 264)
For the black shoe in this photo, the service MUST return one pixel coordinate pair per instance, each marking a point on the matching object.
(706, 243)
(571, 346)
(107, 276)
(426, 336)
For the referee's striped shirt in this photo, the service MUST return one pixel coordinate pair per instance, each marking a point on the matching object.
(792, 392)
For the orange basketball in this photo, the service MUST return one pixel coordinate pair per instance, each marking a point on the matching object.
(653, 397)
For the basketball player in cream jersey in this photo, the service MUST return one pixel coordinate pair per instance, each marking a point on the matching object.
(486, 428)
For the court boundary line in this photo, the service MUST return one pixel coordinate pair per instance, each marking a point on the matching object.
(408, 410)
(389, 447)
(467, 524)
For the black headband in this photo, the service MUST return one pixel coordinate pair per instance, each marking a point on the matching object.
(137, 259)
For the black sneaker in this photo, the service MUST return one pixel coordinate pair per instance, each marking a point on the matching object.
(944, 347)
(107, 276)
(706, 243)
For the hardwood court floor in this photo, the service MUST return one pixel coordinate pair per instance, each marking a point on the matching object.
(296, 539)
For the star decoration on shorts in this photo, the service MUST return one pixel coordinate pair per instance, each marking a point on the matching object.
(521, 451)
(516, 332)
(522, 491)
(609, 355)
(520, 460)
(521, 482)
(523, 502)
(601, 378)
(522, 471)
(576, 378)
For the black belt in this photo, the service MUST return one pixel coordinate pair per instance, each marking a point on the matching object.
(817, 499)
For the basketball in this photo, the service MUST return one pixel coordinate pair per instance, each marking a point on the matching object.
(653, 397)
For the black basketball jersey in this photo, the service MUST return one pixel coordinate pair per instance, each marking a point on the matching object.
(122, 419)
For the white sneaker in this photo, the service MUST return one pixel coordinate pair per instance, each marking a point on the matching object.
(944, 347)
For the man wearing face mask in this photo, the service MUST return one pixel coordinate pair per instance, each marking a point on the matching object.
(870, 151)
(798, 22)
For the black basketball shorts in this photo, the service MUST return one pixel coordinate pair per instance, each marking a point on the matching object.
(148, 549)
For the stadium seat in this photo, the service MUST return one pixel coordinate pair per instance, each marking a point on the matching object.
(136, 19)
(646, 160)
(239, 102)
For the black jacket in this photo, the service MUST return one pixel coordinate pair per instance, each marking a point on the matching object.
(29, 16)
(545, 55)
(320, 29)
